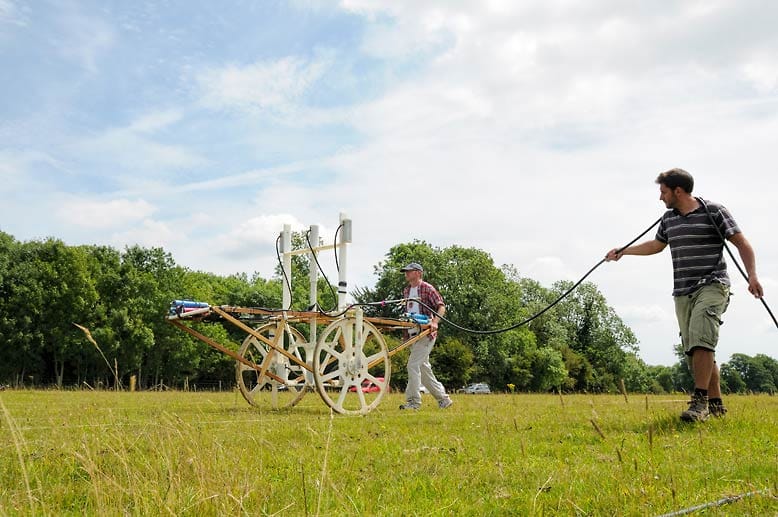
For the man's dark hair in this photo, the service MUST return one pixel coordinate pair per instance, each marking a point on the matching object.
(676, 178)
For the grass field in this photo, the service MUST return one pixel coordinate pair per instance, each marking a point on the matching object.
(184, 453)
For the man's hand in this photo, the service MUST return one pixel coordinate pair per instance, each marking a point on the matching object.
(433, 328)
(749, 262)
(613, 255)
(754, 287)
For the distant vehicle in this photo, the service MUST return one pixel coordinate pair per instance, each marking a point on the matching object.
(478, 387)
(369, 386)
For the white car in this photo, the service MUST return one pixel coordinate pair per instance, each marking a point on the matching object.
(478, 387)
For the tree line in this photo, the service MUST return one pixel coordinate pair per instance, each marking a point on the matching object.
(121, 297)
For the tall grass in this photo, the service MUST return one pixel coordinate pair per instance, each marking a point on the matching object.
(175, 453)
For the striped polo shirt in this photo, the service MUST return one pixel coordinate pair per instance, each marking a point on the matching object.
(696, 247)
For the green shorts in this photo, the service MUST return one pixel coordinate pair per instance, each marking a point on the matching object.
(699, 316)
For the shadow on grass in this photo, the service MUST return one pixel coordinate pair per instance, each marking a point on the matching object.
(669, 423)
(665, 424)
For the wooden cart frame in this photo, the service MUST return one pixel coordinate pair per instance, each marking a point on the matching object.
(276, 365)
(341, 354)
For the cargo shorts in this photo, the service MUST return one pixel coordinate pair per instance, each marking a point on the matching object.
(699, 316)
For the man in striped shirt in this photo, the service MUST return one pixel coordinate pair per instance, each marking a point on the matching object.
(694, 229)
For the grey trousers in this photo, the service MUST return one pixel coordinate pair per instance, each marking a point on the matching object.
(420, 373)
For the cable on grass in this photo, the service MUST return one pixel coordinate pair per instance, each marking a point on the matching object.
(714, 504)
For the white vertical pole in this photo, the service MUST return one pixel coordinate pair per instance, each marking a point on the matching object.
(358, 338)
(314, 237)
(345, 238)
(286, 248)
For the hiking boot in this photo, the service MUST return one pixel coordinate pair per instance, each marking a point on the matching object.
(717, 409)
(409, 406)
(445, 403)
(698, 409)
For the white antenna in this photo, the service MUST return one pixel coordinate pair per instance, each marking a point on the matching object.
(341, 245)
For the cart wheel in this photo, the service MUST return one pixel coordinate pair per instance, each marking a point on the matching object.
(351, 366)
(261, 390)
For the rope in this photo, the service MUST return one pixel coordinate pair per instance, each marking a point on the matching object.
(283, 272)
(316, 259)
(547, 308)
(732, 256)
(335, 247)
(442, 318)
(534, 316)
(714, 504)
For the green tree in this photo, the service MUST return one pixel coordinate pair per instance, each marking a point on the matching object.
(580, 370)
(50, 288)
(637, 376)
(454, 361)
(478, 296)
(548, 369)
(15, 355)
(759, 373)
(731, 381)
(663, 377)
(595, 330)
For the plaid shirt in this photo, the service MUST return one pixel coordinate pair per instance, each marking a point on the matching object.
(428, 296)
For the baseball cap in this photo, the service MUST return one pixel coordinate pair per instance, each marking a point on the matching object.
(413, 266)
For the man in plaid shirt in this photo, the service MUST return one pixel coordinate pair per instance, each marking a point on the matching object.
(419, 367)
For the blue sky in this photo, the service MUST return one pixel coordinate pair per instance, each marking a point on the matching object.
(532, 130)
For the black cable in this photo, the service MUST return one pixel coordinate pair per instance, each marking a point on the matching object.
(732, 256)
(524, 322)
(464, 329)
(538, 314)
(283, 272)
(516, 325)
(361, 304)
(335, 247)
(315, 259)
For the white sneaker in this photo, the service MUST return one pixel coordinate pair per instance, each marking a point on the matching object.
(444, 403)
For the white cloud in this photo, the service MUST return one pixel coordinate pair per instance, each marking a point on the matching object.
(17, 164)
(86, 39)
(560, 64)
(100, 214)
(532, 130)
(150, 233)
(762, 72)
(155, 121)
(254, 236)
(311, 5)
(548, 270)
(275, 86)
(7, 8)
(253, 177)
(134, 148)
(131, 151)
(647, 313)
(11, 13)
(537, 133)
(404, 38)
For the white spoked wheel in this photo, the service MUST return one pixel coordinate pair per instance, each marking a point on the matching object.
(262, 389)
(351, 366)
